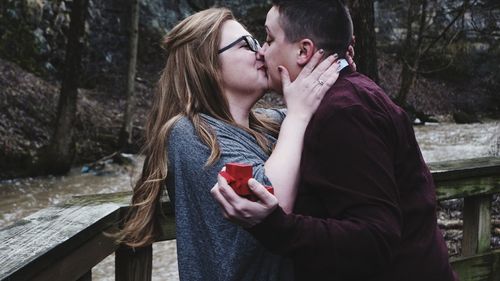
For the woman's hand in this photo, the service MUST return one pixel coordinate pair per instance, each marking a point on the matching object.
(304, 95)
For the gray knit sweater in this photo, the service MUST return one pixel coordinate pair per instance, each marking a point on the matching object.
(208, 246)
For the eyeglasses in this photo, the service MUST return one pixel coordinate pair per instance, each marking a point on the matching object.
(251, 42)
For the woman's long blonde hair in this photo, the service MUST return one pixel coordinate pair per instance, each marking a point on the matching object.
(190, 84)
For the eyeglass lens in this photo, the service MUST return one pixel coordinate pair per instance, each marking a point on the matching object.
(251, 42)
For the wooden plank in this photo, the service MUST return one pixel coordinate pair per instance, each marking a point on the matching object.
(167, 222)
(477, 225)
(134, 264)
(483, 267)
(467, 187)
(86, 277)
(41, 239)
(35, 246)
(80, 261)
(467, 168)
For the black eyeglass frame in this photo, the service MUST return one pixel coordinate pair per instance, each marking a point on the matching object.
(252, 43)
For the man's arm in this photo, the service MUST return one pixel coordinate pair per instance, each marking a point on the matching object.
(356, 184)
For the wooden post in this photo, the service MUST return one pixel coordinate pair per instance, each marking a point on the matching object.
(86, 277)
(134, 264)
(477, 225)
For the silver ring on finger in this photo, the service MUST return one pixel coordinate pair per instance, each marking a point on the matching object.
(321, 82)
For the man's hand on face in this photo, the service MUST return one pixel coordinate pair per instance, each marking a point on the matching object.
(239, 210)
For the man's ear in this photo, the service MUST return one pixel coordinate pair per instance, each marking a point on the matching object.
(306, 51)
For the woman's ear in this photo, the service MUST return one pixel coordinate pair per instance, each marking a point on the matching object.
(306, 51)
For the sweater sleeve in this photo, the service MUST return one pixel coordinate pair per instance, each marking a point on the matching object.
(242, 148)
(352, 176)
(235, 146)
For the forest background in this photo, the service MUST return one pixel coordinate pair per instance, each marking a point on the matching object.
(77, 76)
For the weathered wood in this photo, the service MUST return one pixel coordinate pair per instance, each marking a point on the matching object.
(65, 241)
(42, 239)
(463, 169)
(86, 277)
(477, 225)
(465, 178)
(81, 260)
(167, 222)
(483, 267)
(458, 224)
(474, 180)
(134, 264)
(450, 224)
(453, 189)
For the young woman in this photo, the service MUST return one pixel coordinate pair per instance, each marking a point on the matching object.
(201, 119)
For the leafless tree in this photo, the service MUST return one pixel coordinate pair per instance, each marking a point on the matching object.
(61, 150)
(128, 118)
(363, 17)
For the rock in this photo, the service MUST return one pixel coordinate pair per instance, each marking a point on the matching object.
(418, 122)
(34, 9)
(85, 169)
(462, 117)
(42, 46)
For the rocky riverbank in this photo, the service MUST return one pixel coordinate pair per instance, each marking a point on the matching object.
(28, 106)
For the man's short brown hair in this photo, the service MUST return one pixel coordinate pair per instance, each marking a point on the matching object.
(326, 22)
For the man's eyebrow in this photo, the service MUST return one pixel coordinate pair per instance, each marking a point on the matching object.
(268, 31)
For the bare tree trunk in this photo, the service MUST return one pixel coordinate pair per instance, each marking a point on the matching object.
(363, 17)
(412, 52)
(407, 80)
(61, 150)
(126, 132)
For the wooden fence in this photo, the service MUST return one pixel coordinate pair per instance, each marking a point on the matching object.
(64, 242)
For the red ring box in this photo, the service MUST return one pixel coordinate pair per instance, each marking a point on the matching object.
(237, 176)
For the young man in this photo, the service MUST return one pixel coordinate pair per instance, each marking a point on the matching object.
(366, 206)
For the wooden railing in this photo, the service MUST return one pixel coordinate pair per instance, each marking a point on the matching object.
(475, 180)
(64, 242)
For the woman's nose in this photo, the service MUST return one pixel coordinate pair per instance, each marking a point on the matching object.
(261, 51)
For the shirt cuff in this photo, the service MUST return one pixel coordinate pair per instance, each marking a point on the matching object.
(271, 232)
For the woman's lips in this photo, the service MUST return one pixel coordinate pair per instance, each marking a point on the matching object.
(263, 68)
